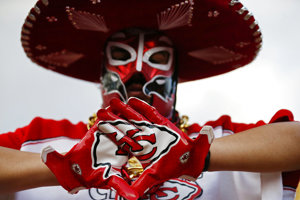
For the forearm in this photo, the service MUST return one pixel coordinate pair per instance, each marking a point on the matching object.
(269, 148)
(23, 170)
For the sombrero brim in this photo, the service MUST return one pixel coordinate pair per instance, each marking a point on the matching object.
(211, 36)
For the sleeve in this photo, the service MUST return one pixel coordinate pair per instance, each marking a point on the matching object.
(40, 129)
(12, 139)
(226, 123)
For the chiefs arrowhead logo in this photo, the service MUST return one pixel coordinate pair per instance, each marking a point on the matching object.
(164, 140)
(151, 141)
(104, 156)
(177, 189)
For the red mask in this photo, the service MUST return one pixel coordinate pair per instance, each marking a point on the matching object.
(141, 64)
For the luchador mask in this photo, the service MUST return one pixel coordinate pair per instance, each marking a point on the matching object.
(140, 64)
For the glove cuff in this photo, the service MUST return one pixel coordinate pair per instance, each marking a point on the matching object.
(61, 169)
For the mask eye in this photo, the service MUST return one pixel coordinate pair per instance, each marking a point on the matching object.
(118, 53)
(161, 57)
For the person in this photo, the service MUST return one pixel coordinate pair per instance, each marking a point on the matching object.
(146, 62)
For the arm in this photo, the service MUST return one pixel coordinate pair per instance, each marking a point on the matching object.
(268, 148)
(23, 170)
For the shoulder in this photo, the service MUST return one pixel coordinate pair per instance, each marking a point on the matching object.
(44, 128)
(41, 128)
(225, 122)
(39, 122)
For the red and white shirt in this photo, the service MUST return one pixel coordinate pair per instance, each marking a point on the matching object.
(226, 185)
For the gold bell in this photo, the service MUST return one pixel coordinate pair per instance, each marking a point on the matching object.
(135, 168)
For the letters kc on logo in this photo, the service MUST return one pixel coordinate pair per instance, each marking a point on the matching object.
(152, 141)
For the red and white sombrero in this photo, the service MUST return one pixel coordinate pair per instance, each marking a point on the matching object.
(211, 36)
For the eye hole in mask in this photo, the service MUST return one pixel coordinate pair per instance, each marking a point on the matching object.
(118, 53)
(161, 57)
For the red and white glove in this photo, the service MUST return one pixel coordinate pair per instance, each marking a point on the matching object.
(92, 162)
(172, 189)
(167, 151)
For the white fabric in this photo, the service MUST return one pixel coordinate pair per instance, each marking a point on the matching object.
(216, 185)
(230, 185)
(271, 186)
(60, 144)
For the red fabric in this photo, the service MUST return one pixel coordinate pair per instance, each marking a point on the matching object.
(291, 179)
(207, 45)
(44, 128)
(40, 129)
(47, 128)
(227, 124)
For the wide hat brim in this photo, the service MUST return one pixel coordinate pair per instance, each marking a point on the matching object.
(211, 36)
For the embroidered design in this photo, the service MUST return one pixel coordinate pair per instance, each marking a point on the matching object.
(253, 25)
(86, 20)
(216, 55)
(28, 24)
(214, 13)
(51, 19)
(25, 31)
(25, 43)
(177, 15)
(61, 59)
(248, 16)
(37, 9)
(40, 47)
(242, 44)
(242, 10)
(25, 37)
(32, 17)
(95, 1)
(233, 2)
(257, 33)
(45, 2)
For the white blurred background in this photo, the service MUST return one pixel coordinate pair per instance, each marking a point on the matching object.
(249, 94)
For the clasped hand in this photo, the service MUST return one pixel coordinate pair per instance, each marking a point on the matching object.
(125, 130)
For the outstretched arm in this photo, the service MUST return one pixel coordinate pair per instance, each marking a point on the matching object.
(268, 148)
(23, 170)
